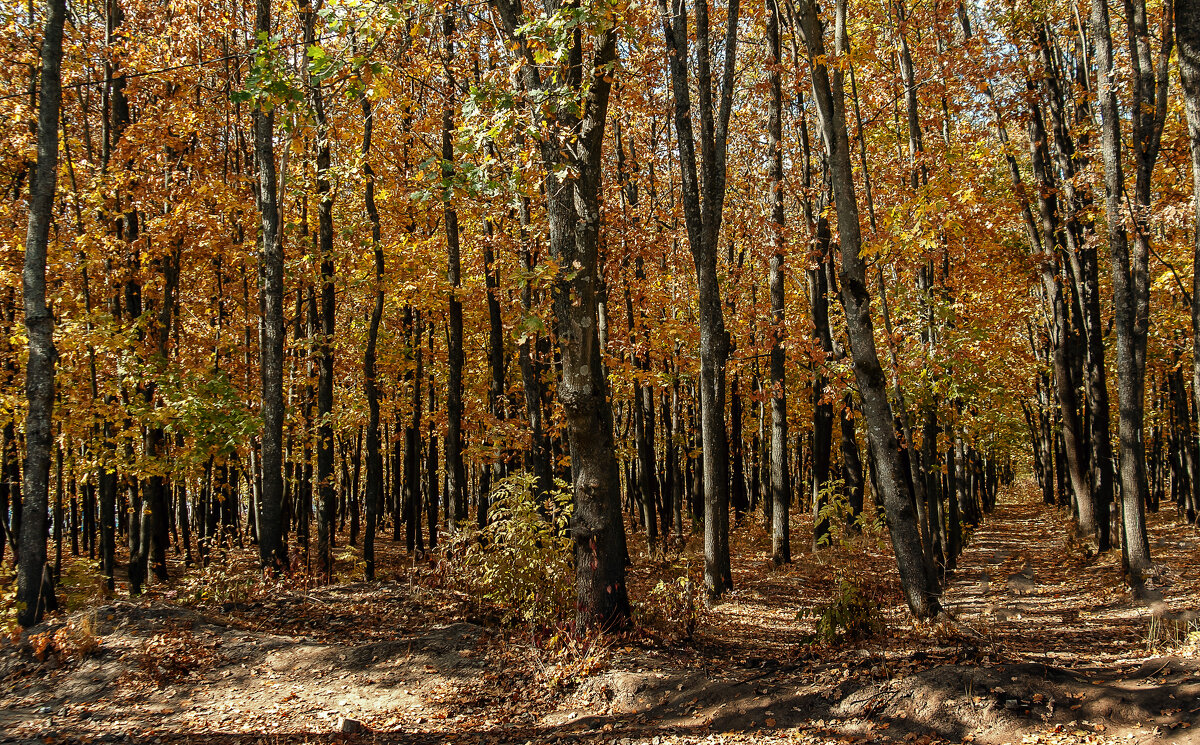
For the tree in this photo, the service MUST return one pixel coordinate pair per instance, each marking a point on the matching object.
(570, 135)
(35, 587)
(1130, 275)
(271, 551)
(374, 493)
(915, 575)
(703, 207)
(1187, 31)
(781, 548)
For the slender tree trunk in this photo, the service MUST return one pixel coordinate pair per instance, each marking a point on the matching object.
(35, 586)
(530, 357)
(375, 478)
(327, 496)
(822, 437)
(1128, 279)
(921, 593)
(496, 397)
(1187, 29)
(780, 497)
(703, 204)
(432, 487)
(271, 551)
(456, 491)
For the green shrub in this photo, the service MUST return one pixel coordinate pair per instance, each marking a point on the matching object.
(844, 525)
(522, 561)
(852, 614)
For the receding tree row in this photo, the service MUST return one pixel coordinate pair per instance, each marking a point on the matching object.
(808, 266)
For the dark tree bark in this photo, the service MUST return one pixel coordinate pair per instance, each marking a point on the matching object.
(1187, 29)
(35, 586)
(573, 136)
(531, 354)
(432, 485)
(496, 398)
(822, 436)
(375, 479)
(1084, 270)
(915, 576)
(156, 512)
(1047, 245)
(1130, 274)
(325, 487)
(703, 198)
(271, 551)
(456, 488)
(414, 540)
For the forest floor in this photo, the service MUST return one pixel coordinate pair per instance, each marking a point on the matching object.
(1043, 645)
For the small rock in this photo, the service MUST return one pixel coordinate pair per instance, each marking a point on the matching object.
(348, 726)
(44, 709)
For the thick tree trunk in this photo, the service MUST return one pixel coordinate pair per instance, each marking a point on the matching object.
(573, 209)
(35, 587)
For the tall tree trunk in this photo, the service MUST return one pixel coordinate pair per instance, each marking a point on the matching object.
(573, 209)
(915, 577)
(1084, 270)
(374, 455)
(1048, 246)
(780, 497)
(271, 551)
(456, 488)
(496, 398)
(703, 203)
(412, 439)
(35, 587)
(1187, 29)
(327, 496)
(1129, 274)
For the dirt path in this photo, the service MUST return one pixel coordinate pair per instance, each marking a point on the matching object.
(1045, 645)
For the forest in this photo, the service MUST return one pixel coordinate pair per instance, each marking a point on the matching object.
(600, 370)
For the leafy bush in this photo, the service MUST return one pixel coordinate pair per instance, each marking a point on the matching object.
(844, 525)
(673, 607)
(568, 657)
(523, 559)
(218, 583)
(852, 614)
